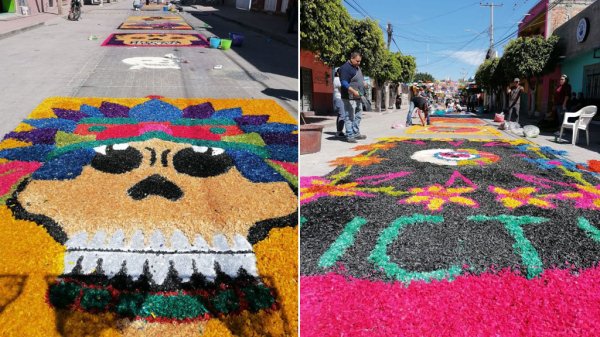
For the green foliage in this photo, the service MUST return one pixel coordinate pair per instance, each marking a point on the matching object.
(424, 77)
(329, 31)
(529, 57)
(485, 73)
(325, 29)
(368, 40)
(408, 64)
(397, 68)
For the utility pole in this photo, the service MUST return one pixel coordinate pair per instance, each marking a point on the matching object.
(390, 30)
(491, 52)
(385, 103)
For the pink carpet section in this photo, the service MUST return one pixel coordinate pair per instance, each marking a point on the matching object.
(557, 303)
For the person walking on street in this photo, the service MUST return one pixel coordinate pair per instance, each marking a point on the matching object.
(514, 99)
(338, 104)
(562, 93)
(352, 90)
(399, 97)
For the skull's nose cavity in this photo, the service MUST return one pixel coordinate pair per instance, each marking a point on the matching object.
(155, 185)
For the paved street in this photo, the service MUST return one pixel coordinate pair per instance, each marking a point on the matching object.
(59, 59)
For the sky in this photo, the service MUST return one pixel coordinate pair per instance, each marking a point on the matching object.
(449, 38)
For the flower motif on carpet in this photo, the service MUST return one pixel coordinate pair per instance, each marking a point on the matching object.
(313, 188)
(520, 196)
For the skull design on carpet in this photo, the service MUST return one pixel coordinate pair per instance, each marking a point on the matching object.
(157, 200)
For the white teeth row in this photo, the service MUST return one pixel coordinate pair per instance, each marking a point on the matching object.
(185, 264)
(177, 243)
(203, 149)
(185, 258)
(102, 148)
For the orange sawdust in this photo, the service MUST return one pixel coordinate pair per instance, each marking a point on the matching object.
(356, 160)
(376, 146)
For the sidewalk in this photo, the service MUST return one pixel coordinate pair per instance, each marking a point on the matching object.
(14, 23)
(271, 25)
(379, 124)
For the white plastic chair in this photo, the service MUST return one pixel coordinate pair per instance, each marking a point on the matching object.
(584, 121)
(585, 116)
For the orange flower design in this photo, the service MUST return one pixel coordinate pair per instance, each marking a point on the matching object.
(520, 196)
(435, 196)
(357, 160)
(377, 146)
(313, 188)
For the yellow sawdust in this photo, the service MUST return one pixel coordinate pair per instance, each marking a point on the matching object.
(23, 127)
(10, 143)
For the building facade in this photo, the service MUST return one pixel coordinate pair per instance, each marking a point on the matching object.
(580, 40)
(272, 6)
(543, 19)
(316, 84)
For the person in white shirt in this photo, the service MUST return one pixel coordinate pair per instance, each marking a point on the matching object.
(338, 104)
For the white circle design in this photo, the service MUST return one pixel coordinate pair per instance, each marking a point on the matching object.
(443, 156)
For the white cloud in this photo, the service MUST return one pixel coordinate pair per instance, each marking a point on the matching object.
(471, 57)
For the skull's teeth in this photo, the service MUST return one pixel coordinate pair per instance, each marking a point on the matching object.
(115, 252)
(184, 264)
(156, 241)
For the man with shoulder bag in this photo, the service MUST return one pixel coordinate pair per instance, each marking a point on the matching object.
(352, 90)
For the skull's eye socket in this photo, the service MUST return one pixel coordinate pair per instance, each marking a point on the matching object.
(116, 159)
(202, 161)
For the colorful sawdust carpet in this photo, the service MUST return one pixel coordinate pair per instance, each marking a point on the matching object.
(450, 238)
(453, 130)
(153, 7)
(167, 216)
(155, 40)
(155, 22)
(450, 120)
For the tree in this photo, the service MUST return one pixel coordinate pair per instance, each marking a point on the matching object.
(423, 77)
(408, 65)
(485, 76)
(325, 29)
(485, 72)
(529, 57)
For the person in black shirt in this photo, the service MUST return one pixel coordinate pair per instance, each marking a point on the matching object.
(422, 103)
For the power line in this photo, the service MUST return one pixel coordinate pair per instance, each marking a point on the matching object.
(440, 15)
(460, 49)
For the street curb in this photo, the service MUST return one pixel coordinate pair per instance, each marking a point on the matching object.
(256, 29)
(20, 30)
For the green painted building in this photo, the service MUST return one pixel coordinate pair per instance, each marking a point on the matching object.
(580, 41)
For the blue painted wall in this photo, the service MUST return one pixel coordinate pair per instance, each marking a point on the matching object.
(574, 69)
